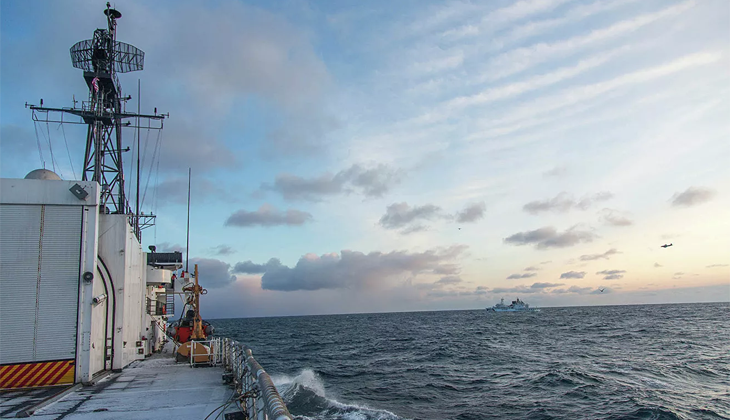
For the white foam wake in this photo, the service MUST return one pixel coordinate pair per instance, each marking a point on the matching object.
(308, 381)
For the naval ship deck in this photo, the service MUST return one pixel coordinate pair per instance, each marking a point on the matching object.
(155, 388)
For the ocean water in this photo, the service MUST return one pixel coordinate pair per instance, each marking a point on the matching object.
(610, 362)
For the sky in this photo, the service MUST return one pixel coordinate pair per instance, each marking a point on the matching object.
(378, 156)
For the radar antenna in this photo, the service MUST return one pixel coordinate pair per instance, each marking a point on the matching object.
(101, 58)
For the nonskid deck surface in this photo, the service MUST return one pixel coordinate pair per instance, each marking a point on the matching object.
(14, 401)
(156, 388)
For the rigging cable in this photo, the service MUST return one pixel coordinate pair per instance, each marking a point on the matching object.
(156, 194)
(154, 155)
(144, 155)
(67, 150)
(131, 160)
(50, 147)
(38, 141)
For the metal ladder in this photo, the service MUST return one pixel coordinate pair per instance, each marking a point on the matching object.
(170, 303)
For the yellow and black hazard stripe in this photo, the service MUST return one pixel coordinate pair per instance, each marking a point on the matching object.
(33, 374)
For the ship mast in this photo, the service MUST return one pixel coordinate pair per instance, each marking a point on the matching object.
(105, 115)
(198, 333)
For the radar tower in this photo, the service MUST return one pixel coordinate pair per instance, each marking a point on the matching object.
(101, 58)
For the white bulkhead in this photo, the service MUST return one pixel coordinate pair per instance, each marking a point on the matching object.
(74, 280)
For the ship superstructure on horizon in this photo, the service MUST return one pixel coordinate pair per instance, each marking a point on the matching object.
(516, 306)
(79, 295)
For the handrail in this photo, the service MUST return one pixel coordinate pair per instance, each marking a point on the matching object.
(254, 387)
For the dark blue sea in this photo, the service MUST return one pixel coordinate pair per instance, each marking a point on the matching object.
(610, 362)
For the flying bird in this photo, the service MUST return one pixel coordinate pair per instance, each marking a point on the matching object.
(666, 246)
(603, 289)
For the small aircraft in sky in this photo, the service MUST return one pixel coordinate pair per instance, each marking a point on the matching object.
(666, 246)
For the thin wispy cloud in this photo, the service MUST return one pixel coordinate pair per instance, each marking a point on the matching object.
(372, 181)
(564, 202)
(523, 116)
(267, 216)
(573, 275)
(606, 255)
(614, 218)
(523, 58)
(693, 196)
(556, 171)
(223, 250)
(545, 285)
(612, 274)
(549, 237)
(521, 276)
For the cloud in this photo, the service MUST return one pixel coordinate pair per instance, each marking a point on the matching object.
(717, 265)
(523, 58)
(191, 147)
(556, 171)
(371, 182)
(579, 290)
(532, 268)
(398, 215)
(573, 275)
(571, 289)
(223, 250)
(548, 237)
(471, 213)
(168, 247)
(606, 255)
(268, 215)
(449, 280)
(657, 265)
(175, 190)
(564, 202)
(692, 196)
(213, 273)
(274, 62)
(413, 229)
(521, 276)
(678, 275)
(447, 269)
(517, 289)
(545, 285)
(352, 269)
(614, 218)
(598, 291)
(248, 267)
(612, 274)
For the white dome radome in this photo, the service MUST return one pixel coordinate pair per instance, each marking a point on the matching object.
(44, 174)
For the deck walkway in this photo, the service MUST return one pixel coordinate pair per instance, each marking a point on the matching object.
(155, 388)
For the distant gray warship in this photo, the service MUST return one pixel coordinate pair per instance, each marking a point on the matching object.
(515, 306)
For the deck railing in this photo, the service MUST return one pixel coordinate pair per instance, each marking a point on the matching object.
(255, 391)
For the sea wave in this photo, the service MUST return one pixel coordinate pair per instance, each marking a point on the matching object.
(305, 395)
